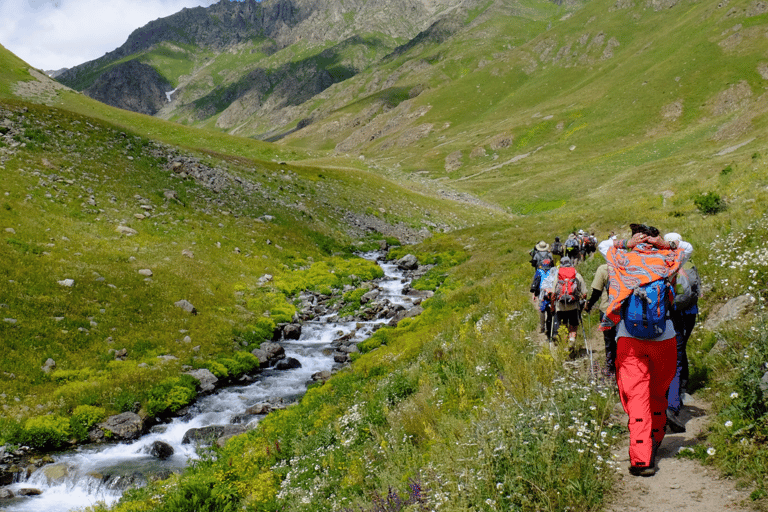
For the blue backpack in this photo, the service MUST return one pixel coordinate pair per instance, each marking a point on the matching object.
(645, 311)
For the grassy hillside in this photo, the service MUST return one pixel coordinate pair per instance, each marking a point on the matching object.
(459, 408)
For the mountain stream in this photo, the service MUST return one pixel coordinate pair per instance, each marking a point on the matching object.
(100, 473)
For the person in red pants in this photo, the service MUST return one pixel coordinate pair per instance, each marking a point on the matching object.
(645, 365)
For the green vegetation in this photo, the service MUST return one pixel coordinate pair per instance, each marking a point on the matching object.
(589, 117)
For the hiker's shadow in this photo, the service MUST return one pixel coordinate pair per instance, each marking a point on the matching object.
(672, 441)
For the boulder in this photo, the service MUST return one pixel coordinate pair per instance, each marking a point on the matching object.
(258, 409)
(186, 306)
(408, 262)
(288, 364)
(161, 450)
(6, 494)
(127, 425)
(125, 230)
(29, 491)
(49, 365)
(212, 434)
(729, 311)
(321, 376)
(292, 331)
(207, 379)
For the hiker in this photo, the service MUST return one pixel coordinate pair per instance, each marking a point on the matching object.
(557, 250)
(687, 293)
(600, 293)
(546, 307)
(540, 254)
(646, 348)
(589, 245)
(544, 264)
(572, 248)
(568, 293)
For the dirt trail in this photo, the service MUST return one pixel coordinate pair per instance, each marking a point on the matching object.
(680, 484)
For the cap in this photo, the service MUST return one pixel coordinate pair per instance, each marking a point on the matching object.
(673, 237)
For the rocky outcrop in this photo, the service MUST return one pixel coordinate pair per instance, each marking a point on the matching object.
(131, 86)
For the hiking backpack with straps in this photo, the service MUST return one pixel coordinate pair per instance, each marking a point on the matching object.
(644, 312)
(567, 285)
(557, 248)
(571, 243)
(686, 287)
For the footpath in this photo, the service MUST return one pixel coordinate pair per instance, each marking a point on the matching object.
(680, 484)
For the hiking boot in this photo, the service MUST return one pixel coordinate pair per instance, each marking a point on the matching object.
(642, 470)
(675, 425)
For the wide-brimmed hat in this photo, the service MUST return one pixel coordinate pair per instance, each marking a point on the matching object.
(673, 237)
(542, 246)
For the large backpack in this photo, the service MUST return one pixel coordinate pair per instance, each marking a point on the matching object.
(645, 311)
(566, 288)
(571, 243)
(590, 243)
(557, 248)
(541, 259)
(686, 287)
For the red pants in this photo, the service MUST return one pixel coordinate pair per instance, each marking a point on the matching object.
(644, 370)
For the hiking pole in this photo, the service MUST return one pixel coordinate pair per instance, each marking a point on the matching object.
(586, 345)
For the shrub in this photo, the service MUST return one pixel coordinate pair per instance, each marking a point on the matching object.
(239, 364)
(254, 334)
(709, 203)
(83, 418)
(46, 432)
(172, 394)
(282, 313)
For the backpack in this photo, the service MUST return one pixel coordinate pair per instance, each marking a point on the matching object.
(557, 248)
(571, 243)
(565, 290)
(686, 287)
(541, 260)
(590, 242)
(645, 311)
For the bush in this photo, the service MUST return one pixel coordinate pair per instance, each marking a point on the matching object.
(83, 418)
(709, 203)
(172, 394)
(239, 364)
(46, 432)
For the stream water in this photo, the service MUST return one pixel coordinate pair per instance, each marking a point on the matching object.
(99, 473)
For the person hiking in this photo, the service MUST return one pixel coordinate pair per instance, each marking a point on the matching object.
(639, 299)
(543, 264)
(600, 293)
(687, 293)
(540, 254)
(572, 247)
(546, 307)
(558, 251)
(589, 245)
(568, 293)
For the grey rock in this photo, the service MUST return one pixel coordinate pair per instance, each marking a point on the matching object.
(127, 425)
(728, 312)
(29, 491)
(408, 262)
(258, 409)
(49, 365)
(186, 306)
(207, 379)
(292, 331)
(161, 450)
(288, 364)
(6, 494)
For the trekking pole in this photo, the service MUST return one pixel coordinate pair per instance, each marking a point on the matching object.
(586, 345)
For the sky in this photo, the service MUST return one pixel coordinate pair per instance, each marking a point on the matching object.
(55, 34)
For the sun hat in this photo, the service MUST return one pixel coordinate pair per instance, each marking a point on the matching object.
(673, 237)
(542, 246)
(565, 261)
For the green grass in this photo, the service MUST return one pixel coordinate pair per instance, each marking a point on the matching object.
(459, 399)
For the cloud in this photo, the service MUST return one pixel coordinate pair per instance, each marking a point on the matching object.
(55, 34)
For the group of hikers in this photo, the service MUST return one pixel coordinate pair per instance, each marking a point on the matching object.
(647, 291)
